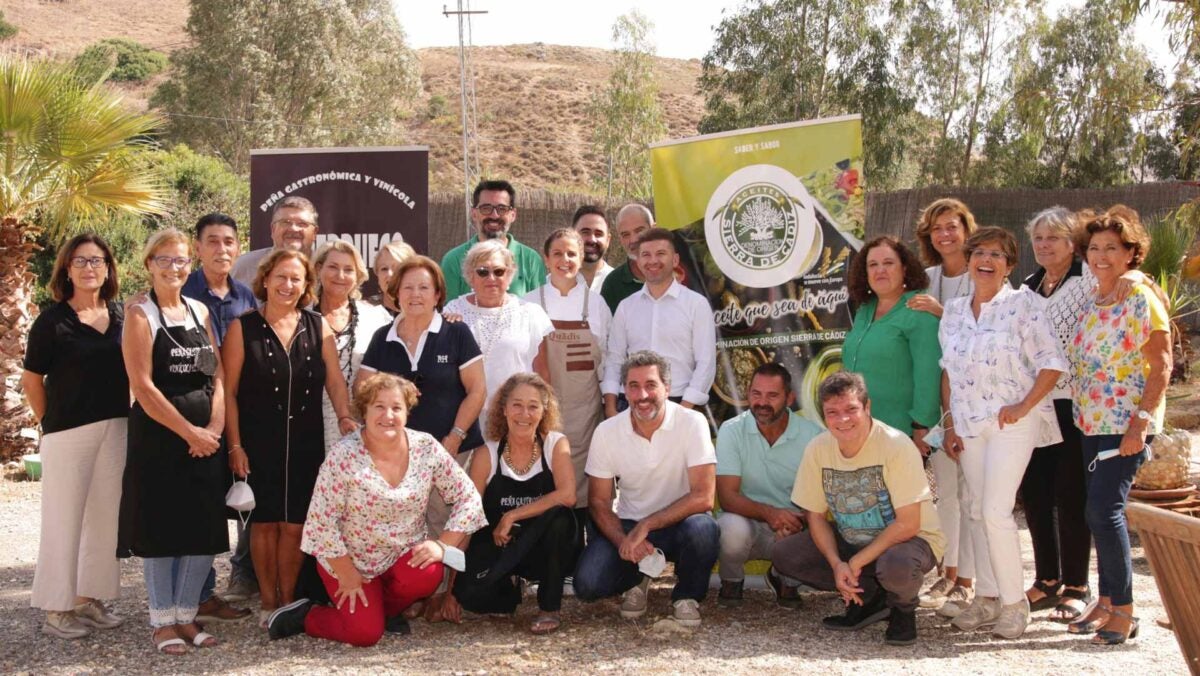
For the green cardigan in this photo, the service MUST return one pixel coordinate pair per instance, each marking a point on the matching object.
(898, 355)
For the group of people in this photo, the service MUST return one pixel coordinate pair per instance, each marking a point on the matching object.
(510, 416)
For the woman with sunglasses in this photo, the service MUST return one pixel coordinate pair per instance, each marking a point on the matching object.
(173, 497)
(76, 386)
(511, 332)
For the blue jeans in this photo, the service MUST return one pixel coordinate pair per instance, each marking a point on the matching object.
(1108, 484)
(692, 545)
(173, 584)
(240, 566)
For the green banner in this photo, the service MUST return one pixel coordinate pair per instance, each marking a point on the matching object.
(768, 219)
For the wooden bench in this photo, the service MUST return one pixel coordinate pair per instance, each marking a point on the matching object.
(1172, 545)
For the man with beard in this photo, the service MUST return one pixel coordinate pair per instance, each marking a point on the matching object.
(293, 226)
(884, 535)
(626, 280)
(758, 455)
(592, 226)
(668, 318)
(663, 457)
(493, 213)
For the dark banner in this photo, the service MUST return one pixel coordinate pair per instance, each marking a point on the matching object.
(366, 196)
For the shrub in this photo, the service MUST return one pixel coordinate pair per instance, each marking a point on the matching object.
(127, 60)
(7, 30)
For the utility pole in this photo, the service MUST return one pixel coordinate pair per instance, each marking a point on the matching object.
(470, 131)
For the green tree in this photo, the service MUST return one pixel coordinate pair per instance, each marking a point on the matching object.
(69, 152)
(7, 30)
(270, 73)
(626, 115)
(125, 60)
(776, 61)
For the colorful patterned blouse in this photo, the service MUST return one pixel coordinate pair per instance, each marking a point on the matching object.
(1108, 366)
(992, 362)
(355, 511)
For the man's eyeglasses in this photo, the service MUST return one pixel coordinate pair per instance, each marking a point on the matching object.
(289, 223)
(168, 262)
(498, 209)
(96, 262)
(484, 273)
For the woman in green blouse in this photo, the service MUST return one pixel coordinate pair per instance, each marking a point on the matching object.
(894, 347)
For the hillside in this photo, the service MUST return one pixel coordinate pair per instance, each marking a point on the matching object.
(531, 99)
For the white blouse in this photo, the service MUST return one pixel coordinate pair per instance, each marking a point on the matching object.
(1065, 308)
(993, 361)
(370, 318)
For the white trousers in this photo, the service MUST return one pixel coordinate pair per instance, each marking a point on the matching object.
(81, 499)
(993, 464)
(952, 513)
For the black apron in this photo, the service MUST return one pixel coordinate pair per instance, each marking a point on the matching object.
(173, 504)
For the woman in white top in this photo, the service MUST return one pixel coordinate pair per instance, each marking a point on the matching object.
(1000, 360)
(511, 332)
(942, 231)
(340, 275)
(528, 487)
(387, 261)
(574, 350)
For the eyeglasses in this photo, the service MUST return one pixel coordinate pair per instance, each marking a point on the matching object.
(484, 273)
(289, 223)
(991, 255)
(96, 262)
(168, 262)
(498, 209)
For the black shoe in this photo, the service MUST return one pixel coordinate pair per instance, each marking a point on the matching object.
(787, 596)
(856, 617)
(397, 625)
(288, 620)
(731, 593)
(902, 628)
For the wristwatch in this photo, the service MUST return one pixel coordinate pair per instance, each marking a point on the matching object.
(459, 432)
(1143, 414)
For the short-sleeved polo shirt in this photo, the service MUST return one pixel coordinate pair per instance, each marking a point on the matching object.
(221, 310)
(531, 269)
(767, 472)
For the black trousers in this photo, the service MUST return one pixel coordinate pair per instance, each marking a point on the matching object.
(1054, 492)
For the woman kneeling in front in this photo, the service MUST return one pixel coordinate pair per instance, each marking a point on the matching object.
(366, 522)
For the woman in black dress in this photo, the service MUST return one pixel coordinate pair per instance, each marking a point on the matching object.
(172, 504)
(279, 359)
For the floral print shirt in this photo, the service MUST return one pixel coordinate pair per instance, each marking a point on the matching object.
(993, 361)
(355, 511)
(1108, 366)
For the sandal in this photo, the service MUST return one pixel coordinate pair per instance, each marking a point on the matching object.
(1089, 626)
(1050, 597)
(1105, 637)
(545, 624)
(169, 646)
(1072, 604)
(202, 639)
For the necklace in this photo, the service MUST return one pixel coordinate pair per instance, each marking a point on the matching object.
(345, 340)
(959, 283)
(1047, 285)
(533, 458)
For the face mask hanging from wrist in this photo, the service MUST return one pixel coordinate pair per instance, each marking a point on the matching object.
(936, 435)
(240, 498)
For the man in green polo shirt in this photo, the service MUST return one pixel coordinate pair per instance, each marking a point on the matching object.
(493, 211)
(758, 454)
(626, 280)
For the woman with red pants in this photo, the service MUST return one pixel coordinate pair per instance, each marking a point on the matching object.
(366, 522)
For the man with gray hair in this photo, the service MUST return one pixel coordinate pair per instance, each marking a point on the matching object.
(626, 280)
(293, 226)
(663, 456)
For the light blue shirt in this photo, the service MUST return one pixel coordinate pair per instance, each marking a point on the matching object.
(767, 472)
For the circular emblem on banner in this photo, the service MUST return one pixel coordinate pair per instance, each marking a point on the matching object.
(760, 226)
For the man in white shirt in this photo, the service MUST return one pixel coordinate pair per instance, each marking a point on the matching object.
(293, 226)
(663, 456)
(665, 317)
(592, 226)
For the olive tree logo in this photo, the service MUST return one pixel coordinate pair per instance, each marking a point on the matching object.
(760, 226)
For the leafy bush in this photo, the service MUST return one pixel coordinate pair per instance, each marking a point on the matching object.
(124, 60)
(7, 30)
(438, 106)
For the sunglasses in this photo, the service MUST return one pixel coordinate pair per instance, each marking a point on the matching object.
(484, 273)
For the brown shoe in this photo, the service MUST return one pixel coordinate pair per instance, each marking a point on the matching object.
(215, 609)
(786, 595)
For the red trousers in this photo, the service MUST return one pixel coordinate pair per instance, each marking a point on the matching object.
(387, 595)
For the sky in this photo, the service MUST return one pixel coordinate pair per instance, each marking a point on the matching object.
(678, 33)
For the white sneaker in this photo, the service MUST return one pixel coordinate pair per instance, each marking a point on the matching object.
(94, 614)
(983, 612)
(955, 602)
(687, 612)
(63, 624)
(935, 596)
(1013, 619)
(634, 601)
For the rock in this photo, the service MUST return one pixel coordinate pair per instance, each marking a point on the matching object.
(668, 627)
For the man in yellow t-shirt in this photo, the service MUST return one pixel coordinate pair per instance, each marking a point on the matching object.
(884, 534)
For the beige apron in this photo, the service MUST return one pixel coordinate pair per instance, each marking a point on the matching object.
(573, 355)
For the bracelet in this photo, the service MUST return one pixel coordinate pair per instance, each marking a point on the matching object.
(237, 447)
(345, 417)
(459, 432)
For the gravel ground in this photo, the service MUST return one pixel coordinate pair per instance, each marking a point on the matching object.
(758, 637)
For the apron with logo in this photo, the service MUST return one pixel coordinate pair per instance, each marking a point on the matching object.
(573, 356)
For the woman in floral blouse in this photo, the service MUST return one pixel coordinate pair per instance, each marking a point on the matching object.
(1121, 364)
(1000, 358)
(366, 522)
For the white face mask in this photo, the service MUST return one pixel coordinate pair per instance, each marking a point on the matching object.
(654, 564)
(240, 497)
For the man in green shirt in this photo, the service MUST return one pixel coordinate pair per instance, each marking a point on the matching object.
(626, 280)
(493, 213)
(758, 455)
